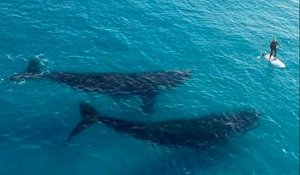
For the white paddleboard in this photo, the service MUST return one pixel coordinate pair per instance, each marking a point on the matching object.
(274, 61)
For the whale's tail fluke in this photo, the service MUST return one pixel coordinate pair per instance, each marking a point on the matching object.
(89, 116)
(33, 70)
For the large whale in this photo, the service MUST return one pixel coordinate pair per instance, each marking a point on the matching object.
(146, 85)
(196, 132)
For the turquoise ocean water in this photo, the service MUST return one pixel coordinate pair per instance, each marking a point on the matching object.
(219, 41)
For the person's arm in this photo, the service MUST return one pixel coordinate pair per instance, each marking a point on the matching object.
(277, 43)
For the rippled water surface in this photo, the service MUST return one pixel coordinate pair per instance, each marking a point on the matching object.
(218, 41)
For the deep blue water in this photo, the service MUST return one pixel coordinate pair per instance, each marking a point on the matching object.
(219, 41)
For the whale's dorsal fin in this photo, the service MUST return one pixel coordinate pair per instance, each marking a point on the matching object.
(89, 116)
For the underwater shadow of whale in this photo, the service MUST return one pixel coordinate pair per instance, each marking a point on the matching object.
(146, 85)
(196, 132)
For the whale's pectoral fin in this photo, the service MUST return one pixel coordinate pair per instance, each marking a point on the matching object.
(33, 67)
(89, 116)
(32, 71)
(148, 101)
(79, 127)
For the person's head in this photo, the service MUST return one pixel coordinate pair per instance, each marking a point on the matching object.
(274, 39)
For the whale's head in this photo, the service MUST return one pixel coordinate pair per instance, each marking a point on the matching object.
(32, 71)
(172, 78)
(22, 76)
(245, 120)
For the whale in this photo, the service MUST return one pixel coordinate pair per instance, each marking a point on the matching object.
(196, 132)
(146, 85)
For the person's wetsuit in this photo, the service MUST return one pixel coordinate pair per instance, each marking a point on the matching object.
(273, 48)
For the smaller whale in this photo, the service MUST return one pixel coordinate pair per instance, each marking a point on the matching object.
(196, 132)
(145, 85)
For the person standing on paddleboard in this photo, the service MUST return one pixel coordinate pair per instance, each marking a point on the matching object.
(273, 47)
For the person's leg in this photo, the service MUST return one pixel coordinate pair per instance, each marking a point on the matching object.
(275, 53)
(270, 54)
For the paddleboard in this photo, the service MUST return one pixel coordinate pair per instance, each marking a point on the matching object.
(274, 61)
